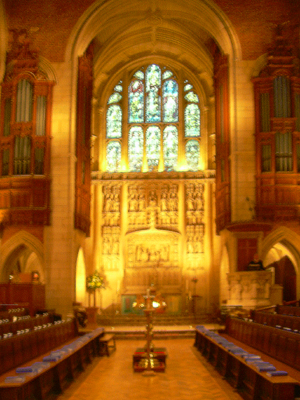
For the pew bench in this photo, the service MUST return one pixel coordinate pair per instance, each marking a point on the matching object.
(278, 343)
(247, 379)
(52, 372)
(19, 349)
(107, 344)
(285, 321)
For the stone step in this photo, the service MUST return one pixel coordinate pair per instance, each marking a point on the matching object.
(140, 320)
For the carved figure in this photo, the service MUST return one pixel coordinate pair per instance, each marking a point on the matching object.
(198, 202)
(164, 202)
(173, 203)
(152, 199)
(141, 202)
(190, 202)
(108, 203)
(133, 205)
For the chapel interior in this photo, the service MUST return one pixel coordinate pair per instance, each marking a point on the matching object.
(149, 147)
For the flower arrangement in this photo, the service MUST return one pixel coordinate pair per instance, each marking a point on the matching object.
(95, 281)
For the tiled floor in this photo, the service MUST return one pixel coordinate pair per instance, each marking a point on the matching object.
(187, 377)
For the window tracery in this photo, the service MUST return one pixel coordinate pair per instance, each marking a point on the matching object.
(160, 114)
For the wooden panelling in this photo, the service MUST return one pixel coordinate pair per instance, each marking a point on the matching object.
(281, 344)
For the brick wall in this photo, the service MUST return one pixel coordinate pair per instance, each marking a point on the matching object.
(51, 22)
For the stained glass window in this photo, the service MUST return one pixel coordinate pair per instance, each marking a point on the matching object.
(154, 110)
(192, 120)
(187, 87)
(114, 122)
(192, 152)
(153, 100)
(153, 146)
(192, 97)
(113, 156)
(135, 148)
(119, 87)
(170, 146)
(114, 98)
(136, 101)
(167, 74)
(139, 74)
(170, 101)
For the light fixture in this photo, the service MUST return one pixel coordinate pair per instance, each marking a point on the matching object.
(149, 304)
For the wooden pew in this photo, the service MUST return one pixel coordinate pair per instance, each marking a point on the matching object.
(53, 378)
(270, 319)
(13, 312)
(278, 343)
(248, 381)
(22, 324)
(288, 310)
(27, 346)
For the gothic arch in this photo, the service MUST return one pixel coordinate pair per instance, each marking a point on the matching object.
(289, 240)
(80, 280)
(169, 30)
(210, 18)
(17, 244)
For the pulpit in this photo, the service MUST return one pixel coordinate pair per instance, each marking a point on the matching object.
(250, 289)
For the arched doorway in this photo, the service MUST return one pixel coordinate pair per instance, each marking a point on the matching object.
(22, 253)
(285, 276)
(21, 263)
(282, 258)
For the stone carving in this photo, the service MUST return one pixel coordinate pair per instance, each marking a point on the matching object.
(160, 278)
(111, 205)
(194, 203)
(195, 228)
(111, 248)
(152, 214)
(249, 288)
(111, 240)
(155, 252)
(153, 205)
(152, 258)
(153, 249)
(195, 238)
(136, 206)
(141, 201)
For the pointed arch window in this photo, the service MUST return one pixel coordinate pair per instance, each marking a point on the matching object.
(147, 128)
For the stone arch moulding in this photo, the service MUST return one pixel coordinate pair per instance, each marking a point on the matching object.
(18, 239)
(210, 18)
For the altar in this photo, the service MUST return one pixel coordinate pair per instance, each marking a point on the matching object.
(174, 304)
